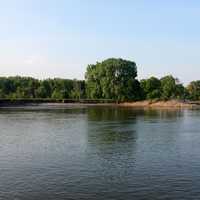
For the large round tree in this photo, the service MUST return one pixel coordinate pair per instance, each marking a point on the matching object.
(112, 79)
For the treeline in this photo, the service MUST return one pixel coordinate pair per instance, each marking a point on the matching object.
(116, 79)
(111, 79)
(28, 88)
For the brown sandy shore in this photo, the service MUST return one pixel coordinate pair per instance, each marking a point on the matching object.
(67, 102)
(162, 104)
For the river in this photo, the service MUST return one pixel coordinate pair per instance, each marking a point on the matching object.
(99, 152)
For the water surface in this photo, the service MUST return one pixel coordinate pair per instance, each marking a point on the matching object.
(87, 152)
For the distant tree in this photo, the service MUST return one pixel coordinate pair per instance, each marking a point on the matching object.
(57, 94)
(151, 88)
(2, 94)
(93, 81)
(26, 87)
(137, 91)
(78, 91)
(194, 90)
(111, 79)
(181, 92)
(168, 85)
(172, 88)
(41, 92)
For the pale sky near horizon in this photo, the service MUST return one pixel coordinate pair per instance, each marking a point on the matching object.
(58, 38)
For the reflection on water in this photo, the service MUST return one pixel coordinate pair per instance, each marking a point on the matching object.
(80, 152)
(164, 114)
(124, 113)
(111, 128)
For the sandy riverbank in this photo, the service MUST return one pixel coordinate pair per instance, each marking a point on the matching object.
(139, 104)
(164, 104)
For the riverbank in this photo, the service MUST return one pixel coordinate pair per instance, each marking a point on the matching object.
(101, 102)
(162, 104)
(21, 102)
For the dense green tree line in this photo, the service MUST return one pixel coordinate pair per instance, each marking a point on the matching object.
(111, 79)
(165, 88)
(116, 79)
(27, 87)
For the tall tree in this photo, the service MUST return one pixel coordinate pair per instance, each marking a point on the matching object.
(168, 84)
(172, 88)
(112, 79)
(151, 88)
(194, 90)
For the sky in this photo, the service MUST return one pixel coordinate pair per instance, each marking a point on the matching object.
(59, 38)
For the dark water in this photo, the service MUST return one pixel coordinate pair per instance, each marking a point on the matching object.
(99, 153)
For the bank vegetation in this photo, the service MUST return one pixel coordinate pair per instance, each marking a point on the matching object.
(112, 79)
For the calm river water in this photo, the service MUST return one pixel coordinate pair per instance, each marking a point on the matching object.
(105, 153)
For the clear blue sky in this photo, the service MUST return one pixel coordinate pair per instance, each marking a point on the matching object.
(58, 38)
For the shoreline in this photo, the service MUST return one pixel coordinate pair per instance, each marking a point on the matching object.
(162, 104)
(68, 102)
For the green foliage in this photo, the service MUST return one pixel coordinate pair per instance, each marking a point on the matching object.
(151, 88)
(172, 89)
(194, 90)
(28, 88)
(181, 92)
(18, 87)
(168, 85)
(112, 79)
(78, 91)
(166, 88)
